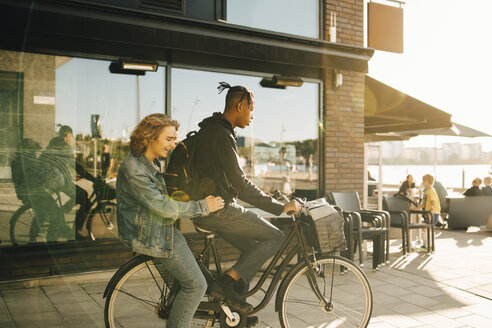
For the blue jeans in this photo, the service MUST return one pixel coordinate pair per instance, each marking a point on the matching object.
(256, 238)
(183, 267)
(436, 218)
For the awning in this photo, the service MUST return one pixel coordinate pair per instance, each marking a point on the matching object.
(112, 32)
(456, 130)
(388, 110)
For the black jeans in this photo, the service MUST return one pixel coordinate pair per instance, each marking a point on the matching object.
(256, 238)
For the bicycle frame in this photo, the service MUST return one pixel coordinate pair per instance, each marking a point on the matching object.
(299, 247)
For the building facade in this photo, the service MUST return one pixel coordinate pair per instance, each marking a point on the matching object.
(62, 63)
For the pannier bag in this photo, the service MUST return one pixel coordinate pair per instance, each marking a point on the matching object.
(325, 231)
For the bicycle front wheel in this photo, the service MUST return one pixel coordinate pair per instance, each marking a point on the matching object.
(343, 285)
(140, 295)
(101, 222)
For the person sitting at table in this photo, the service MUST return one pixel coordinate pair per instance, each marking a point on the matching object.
(475, 189)
(442, 193)
(407, 184)
(487, 181)
(431, 203)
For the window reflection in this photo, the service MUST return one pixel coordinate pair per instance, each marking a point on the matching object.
(57, 178)
(298, 17)
(279, 149)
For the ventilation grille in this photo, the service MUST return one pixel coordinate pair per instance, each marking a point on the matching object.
(164, 4)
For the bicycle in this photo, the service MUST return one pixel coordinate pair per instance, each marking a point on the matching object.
(317, 291)
(100, 221)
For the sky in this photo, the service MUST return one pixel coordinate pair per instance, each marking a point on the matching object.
(447, 63)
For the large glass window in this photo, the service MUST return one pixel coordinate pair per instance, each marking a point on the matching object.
(279, 148)
(298, 17)
(65, 127)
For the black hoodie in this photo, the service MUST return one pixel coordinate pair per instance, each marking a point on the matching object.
(219, 169)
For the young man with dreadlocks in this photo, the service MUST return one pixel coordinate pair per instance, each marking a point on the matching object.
(221, 174)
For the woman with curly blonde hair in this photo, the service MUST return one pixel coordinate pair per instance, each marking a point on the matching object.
(146, 213)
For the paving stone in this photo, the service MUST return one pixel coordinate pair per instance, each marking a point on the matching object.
(419, 300)
(45, 319)
(463, 283)
(450, 300)
(67, 309)
(401, 321)
(453, 312)
(3, 308)
(30, 306)
(95, 288)
(381, 325)
(19, 295)
(427, 291)
(84, 320)
(383, 298)
(438, 320)
(7, 324)
(481, 309)
(476, 320)
(393, 290)
(408, 308)
(67, 295)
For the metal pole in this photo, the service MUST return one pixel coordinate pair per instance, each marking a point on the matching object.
(252, 151)
(95, 155)
(139, 114)
(366, 164)
(380, 182)
(435, 158)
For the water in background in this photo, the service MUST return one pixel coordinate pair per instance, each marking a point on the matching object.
(449, 175)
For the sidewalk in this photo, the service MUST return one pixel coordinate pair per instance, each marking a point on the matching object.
(450, 288)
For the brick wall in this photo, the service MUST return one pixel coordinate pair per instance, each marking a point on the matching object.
(44, 260)
(344, 107)
(39, 80)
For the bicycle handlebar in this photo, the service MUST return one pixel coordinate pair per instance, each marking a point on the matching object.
(279, 195)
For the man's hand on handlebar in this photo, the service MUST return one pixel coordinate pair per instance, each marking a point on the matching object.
(292, 207)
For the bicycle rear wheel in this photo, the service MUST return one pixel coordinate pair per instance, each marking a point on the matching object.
(141, 296)
(24, 228)
(351, 300)
(101, 222)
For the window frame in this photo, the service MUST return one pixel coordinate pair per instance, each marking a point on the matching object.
(320, 114)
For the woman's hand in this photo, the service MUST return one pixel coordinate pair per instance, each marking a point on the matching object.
(214, 203)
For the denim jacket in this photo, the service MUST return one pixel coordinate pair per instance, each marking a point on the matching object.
(146, 214)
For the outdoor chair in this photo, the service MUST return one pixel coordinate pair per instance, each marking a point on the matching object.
(358, 232)
(399, 209)
(377, 231)
(353, 239)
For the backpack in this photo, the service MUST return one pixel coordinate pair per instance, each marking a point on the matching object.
(19, 180)
(181, 177)
(26, 174)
